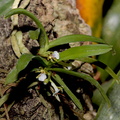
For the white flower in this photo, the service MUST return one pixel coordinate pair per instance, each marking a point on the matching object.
(55, 88)
(56, 91)
(55, 55)
(69, 67)
(42, 77)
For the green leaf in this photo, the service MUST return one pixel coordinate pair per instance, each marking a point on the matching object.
(34, 34)
(113, 112)
(5, 6)
(107, 69)
(111, 34)
(84, 51)
(85, 77)
(22, 63)
(12, 76)
(74, 38)
(67, 90)
(101, 65)
(43, 39)
(42, 61)
(4, 99)
(96, 98)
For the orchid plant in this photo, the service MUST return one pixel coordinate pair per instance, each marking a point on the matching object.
(52, 63)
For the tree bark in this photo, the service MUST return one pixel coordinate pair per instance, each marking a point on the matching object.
(60, 18)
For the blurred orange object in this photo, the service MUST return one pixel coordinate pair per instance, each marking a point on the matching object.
(91, 12)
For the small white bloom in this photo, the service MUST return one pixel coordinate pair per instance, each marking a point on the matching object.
(55, 88)
(111, 117)
(56, 91)
(69, 67)
(42, 77)
(55, 55)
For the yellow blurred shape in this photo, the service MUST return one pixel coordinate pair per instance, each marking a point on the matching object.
(91, 12)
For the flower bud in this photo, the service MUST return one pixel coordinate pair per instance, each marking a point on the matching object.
(42, 77)
(55, 55)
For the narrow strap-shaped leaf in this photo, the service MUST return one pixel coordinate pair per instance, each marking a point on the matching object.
(22, 63)
(67, 90)
(111, 34)
(85, 77)
(74, 38)
(101, 65)
(43, 40)
(107, 69)
(84, 51)
(4, 99)
(88, 59)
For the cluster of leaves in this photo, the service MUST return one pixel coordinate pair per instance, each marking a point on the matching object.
(110, 34)
(51, 63)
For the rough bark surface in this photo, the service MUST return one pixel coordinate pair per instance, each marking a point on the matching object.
(60, 18)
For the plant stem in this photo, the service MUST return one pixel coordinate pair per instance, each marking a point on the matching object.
(43, 39)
